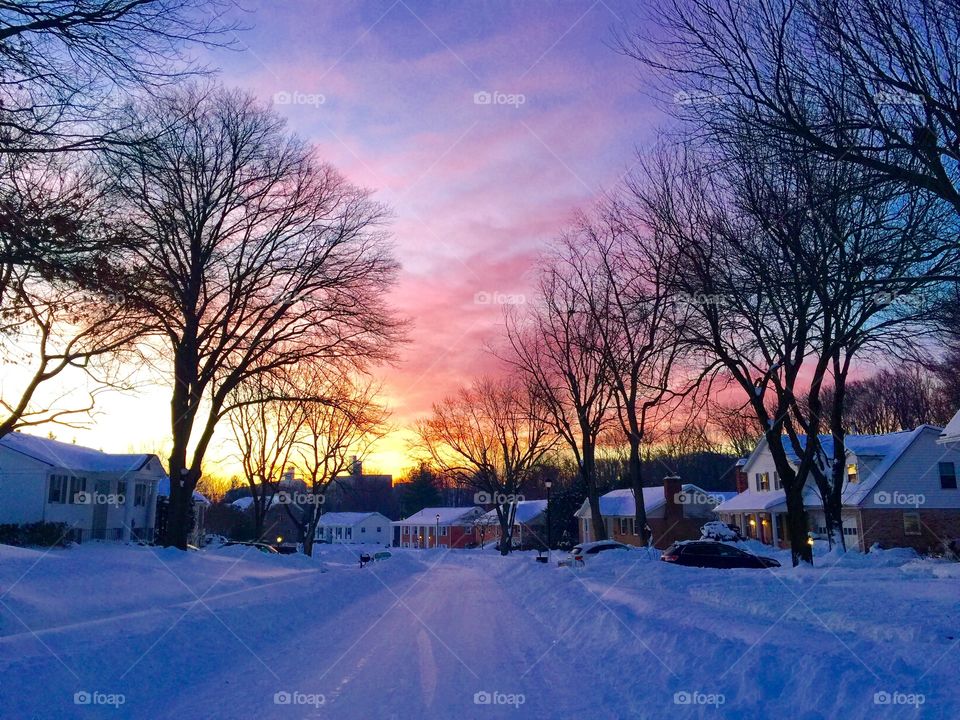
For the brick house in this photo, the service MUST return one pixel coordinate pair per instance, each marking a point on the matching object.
(900, 491)
(529, 525)
(432, 527)
(675, 511)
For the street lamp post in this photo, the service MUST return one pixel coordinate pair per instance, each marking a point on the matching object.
(549, 484)
(436, 537)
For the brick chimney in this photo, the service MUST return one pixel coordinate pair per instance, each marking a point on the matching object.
(672, 487)
(740, 477)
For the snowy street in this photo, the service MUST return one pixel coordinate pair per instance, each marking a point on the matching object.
(469, 634)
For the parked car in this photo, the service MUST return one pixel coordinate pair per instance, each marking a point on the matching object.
(262, 547)
(580, 551)
(712, 554)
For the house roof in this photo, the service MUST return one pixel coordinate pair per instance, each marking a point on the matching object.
(620, 503)
(951, 433)
(163, 490)
(448, 516)
(527, 511)
(887, 449)
(346, 518)
(245, 502)
(74, 458)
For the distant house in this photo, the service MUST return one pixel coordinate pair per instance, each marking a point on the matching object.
(529, 526)
(442, 526)
(675, 511)
(354, 527)
(101, 496)
(900, 490)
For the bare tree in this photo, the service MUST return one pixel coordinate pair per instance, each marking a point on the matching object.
(556, 347)
(67, 64)
(265, 429)
(493, 435)
(251, 256)
(335, 430)
(623, 273)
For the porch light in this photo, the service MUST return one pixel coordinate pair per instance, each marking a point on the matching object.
(752, 521)
(279, 539)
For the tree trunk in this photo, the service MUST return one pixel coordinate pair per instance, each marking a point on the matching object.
(635, 470)
(800, 549)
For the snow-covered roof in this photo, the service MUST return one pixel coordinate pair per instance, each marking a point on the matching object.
(163, 490)
(448, 516)
(620, 503)
(346, 518)
(951, 433)
(244, 503)
(750, 501)
(527, 511)
(75, 458)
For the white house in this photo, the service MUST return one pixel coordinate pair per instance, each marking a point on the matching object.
(99, 495)
(900, 490)
(354, 527)
(451, 527)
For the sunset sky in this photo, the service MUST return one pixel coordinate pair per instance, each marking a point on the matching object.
(388, 93)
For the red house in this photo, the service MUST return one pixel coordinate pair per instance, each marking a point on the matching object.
(438, 527)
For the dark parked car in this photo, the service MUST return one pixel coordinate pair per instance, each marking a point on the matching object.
(712, 554)
(262, 547)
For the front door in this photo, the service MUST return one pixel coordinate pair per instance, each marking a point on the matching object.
(100, 507)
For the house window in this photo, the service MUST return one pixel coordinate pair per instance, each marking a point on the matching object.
(77, 485)
(626, 526)
(406, 530)
(122, 488)
(58, 489)
(911, 523)
(140, 494)
(349, 533)
(363, 529)
(378, 528)
(948, 476)
(852, 476)
(763, 481)
(468, 530)
(443, 531)
(777, 485)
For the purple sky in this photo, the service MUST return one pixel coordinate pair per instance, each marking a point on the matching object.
(387, 89)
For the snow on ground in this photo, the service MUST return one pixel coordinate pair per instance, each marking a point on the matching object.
(111, 631)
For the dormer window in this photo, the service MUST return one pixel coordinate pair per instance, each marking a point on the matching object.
(852, 476)
(763, 481)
